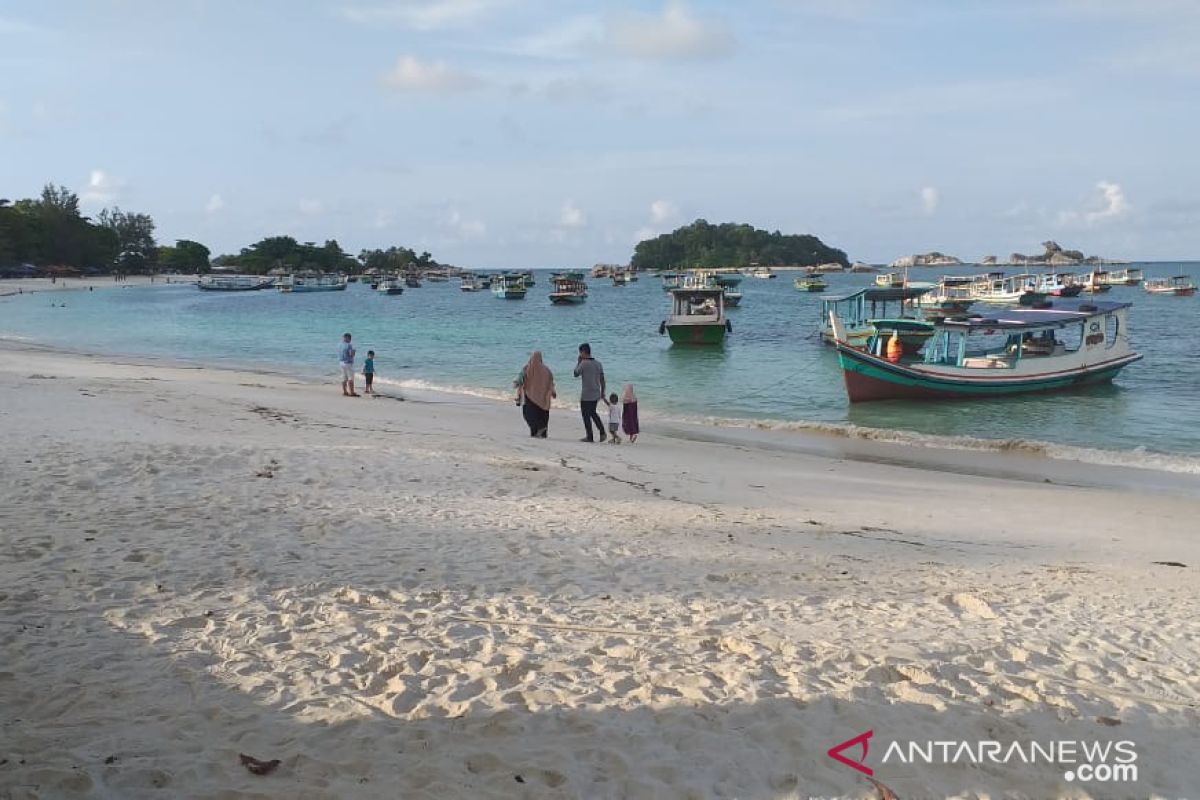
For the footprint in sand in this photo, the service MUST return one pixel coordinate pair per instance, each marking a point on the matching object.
(970, 605)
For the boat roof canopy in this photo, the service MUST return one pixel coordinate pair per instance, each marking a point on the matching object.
(699, 290)
(882, 293)
(1020, 318)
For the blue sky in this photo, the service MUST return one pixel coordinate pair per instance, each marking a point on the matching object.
(556, 133)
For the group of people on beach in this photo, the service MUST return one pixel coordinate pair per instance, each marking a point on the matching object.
(536, 393)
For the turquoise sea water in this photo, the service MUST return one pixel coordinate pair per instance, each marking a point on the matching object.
(772, 370)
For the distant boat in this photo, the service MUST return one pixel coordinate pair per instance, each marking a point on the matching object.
(810, 283)
(1095, 282)
(509, 286)
(697, 316)
(390, 286)
(1058, 284)
(472, 283)
(1016, 351)
(951, 295)
(412, 281)
(620, 279)
(1130, 276)
(762, 272)
(311, 283)
(995, 288)
(234, 283)
(568, 289)
(1178, 285)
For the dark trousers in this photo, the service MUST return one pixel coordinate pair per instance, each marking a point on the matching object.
(536, 417)
(588, 408)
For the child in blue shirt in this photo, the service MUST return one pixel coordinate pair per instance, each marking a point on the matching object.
(369, 371)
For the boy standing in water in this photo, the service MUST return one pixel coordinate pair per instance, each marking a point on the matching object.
(369, 371)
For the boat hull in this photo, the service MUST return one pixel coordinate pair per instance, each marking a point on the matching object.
(708, 333)
(510, 294)
(869, 378)
(568, 300)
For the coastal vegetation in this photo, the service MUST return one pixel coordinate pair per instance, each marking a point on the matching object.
(728, 244)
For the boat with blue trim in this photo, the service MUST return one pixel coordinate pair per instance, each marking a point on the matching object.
(1010, 351)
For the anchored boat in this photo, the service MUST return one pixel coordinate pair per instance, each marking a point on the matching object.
(1131, 276)
(697, 316)
(863, 311)
(509, 286)
(234, 283)
(390, 286)
(1014, 351)
(568, 288)
(311, 283)
(1178, 285)
(811, 282)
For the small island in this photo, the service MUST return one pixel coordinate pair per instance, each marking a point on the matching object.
(729, 244)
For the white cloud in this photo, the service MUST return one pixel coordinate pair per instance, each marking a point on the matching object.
(572, 216)
(412, 75)
(929, 199)
(567, 40)
(673, 34)
(311, 207)
(464, 228)
(102, 188)
(1107, 203)
(663, 211)
(214, 204)
(424, 15)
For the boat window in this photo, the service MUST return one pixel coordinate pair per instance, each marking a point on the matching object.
(1112, 329)
(1070, 336)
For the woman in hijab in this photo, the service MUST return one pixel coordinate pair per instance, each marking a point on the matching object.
(629, 415)
(535, 385)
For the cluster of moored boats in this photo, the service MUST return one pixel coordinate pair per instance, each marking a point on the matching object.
(895, 339)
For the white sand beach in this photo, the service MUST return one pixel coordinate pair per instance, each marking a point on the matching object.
(409, 598)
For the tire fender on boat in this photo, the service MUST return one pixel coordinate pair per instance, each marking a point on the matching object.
(662, 327)
(728, 326)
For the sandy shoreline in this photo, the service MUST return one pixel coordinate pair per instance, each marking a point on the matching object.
(411, 599)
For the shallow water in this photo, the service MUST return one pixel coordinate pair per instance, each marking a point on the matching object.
(772, 370)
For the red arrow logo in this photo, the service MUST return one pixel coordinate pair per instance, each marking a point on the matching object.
(835, 752)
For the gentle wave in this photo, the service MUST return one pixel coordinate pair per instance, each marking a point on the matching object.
(1136, 458)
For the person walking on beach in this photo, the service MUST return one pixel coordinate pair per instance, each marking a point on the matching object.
(346, 359)
(614, 418)
(369, 372)
(592, 391)
(535, 392)
(629, 415)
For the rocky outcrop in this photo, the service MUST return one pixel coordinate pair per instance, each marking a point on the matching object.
(930, 259)
(988, 261)
(1055, 256)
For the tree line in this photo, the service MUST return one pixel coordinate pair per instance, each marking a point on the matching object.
(50, 233)
(704, 245)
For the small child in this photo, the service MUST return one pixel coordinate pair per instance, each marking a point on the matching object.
(614, 418)
(629, 415)
(369, 371)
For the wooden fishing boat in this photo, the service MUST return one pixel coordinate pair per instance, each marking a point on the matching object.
(1131, 276)
(509, 286)
(1095, 282)
(1020, 289)
(470, 283)
(390, 286)
(810, 283)
(1178, 285)
(950, 296)
(697, 316)
(568, 288)
(1058, 284)
(412, 281)
(861, 311)
(1013, 351)
(234, 283)
(311, 283)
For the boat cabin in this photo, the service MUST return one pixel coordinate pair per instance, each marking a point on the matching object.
(1004, 339)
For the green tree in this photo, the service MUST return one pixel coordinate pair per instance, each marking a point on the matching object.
(702, 244)
(136, 248)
